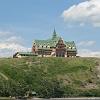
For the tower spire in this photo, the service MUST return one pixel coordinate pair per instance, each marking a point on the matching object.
(54, 34)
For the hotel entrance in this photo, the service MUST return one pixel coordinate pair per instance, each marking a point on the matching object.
(60, 48)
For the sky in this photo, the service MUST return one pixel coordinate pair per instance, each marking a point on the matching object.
(22, 21)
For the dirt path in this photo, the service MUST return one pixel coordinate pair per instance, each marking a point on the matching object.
(4, 76)
(98, 68)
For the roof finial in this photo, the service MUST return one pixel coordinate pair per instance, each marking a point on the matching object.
(54, 34)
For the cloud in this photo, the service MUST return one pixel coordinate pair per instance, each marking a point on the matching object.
(86, 43)
(84, 51)
(4, 33)
(13, 46)
(88, 53)
(87, 12)
(10, 43)
(15, 39)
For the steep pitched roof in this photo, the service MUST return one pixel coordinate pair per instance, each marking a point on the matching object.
(70, 46)
(54, 34)
(46, 44)
(49, 42)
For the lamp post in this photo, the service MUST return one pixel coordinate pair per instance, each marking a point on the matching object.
(42, 52)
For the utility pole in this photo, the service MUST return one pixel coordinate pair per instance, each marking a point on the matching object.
(42, 52)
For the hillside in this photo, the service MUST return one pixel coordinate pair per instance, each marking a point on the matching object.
(50, 77)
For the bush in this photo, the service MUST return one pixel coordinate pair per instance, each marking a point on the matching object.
(50, 88)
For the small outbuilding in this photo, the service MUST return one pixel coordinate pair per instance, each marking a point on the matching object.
(23, 54)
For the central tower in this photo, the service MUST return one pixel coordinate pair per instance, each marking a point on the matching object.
(60, 48)
(54, 34)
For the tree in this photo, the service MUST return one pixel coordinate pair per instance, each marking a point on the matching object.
(50, 88)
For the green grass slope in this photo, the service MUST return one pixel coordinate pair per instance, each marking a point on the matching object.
(50, 77)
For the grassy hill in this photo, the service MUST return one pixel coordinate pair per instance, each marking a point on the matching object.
(50, 77)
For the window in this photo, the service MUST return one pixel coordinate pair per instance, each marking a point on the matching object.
(73, 47)
(48, 46)
(45, 46)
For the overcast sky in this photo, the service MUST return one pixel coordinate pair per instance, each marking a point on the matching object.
(22, 21)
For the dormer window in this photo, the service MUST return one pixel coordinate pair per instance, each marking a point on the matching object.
(45, 46)
(73, 47)
(40, 46)
(48, 46)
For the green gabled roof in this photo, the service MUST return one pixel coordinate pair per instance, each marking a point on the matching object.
(70, 43)
(26, 53)
(52, 43)
(70, 46)
(49, 42)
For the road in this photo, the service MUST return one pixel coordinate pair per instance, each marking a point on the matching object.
(94, 98)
